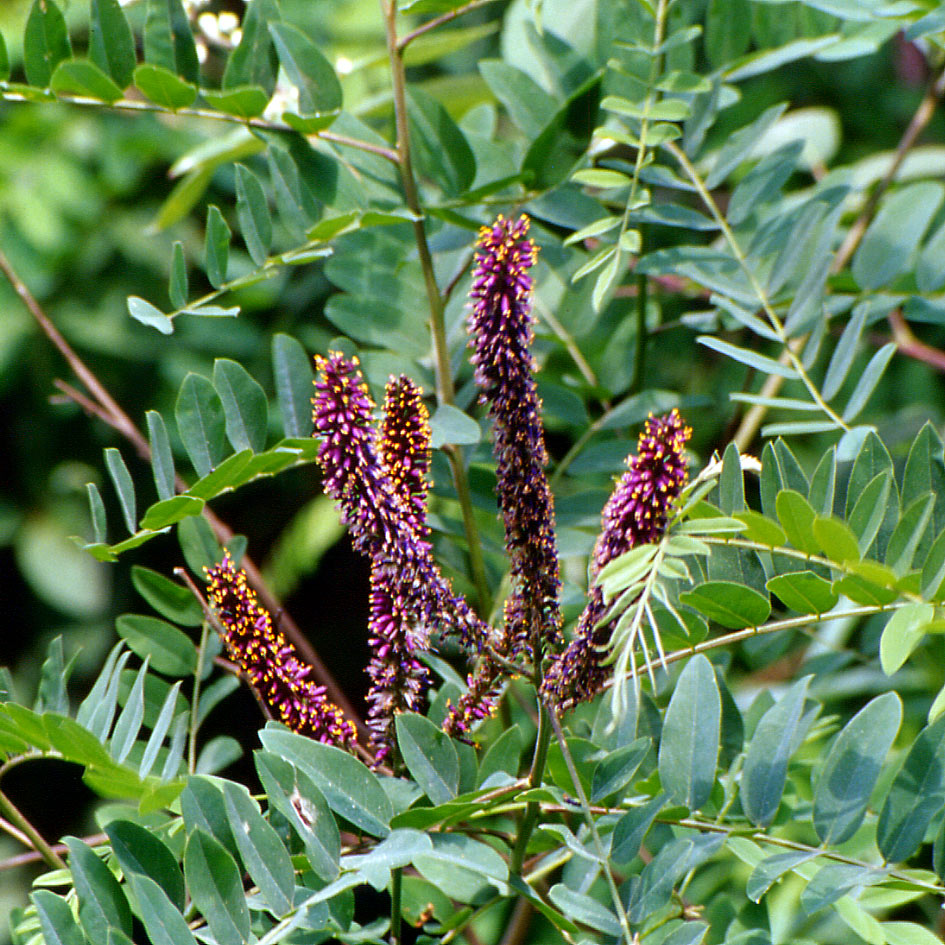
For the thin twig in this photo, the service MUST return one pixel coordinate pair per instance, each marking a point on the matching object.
(910, 346)
(408, 38)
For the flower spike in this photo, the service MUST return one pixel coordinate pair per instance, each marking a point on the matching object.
(269, 662)
(636, 513)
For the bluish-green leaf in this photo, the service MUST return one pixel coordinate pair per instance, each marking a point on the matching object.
(202, 806)
(56, 921)
(529, 106)
(254, 62)
(131, 717)
(97, 508)
(253, 213)
(870, 377)
(139, 851)
(177, 288)
(429, 756)
(216, 886)
(308, 70)
(584, 909)
(201, 423)
(752, 359)
(906, 629)
(162, 921)
(689, 748)
(164, 87)
(167, 597)
(450, 425)
(162, 459)
(244, 405)
(614, 772)
(834, 880)
(143, 311)
(172, 652)
(738, 145)
(292, 370)
(168, 39)
(870, 510)
(843, 354)
(462, 866)
(909, 532)
(504, 754)
(111, 42)
(161, 727)
(766, 762)
(292, 793)
(45, 42)
(83, 78)
(170, 511)
(823, 483)
(732, 605)
(771, 869)
(439, 146)
(124, 487)
(101, 901)
(350, 788)
(933, 571)
(217, 249)
(852, 765)
(895, 232)
(916, 797)
(631, 829)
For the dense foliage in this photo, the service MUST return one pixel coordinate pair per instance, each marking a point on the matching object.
(606, 335)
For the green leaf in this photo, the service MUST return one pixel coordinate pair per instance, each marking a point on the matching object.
(244, 405)
(614, 772)
(102, 903)
(504, 754)
(292, 370)
(162, 921)
(834, 880)
(439, 146)
(584, 909)
(308, 70)
(171, 651)
(836, 538)
(124, 487)
(294, 795)
(167, 597)
(161, 727)
(254, 62)
(689, 747)
(45, 42)
(905, 630)
(83, 78)
(908, 533)
(907, 933)
(766, 762)
(529, 106)
(797, 519)
(916, 797)
(429, 756)
(242, 101)
(842, 358)
(164, 87)
(253, 213)
(933, 571)
(143, 311)
(177, 289)
(217, 249)
(868, 380)
(56, 921)
(168, 40)
(761, 529)
(727, 31)
(849, 773)
(202, 806)
(140, 852)
(201, 423)
(97, 508)
(738, 145)
(631, 829)
(297, 207)
(732, 605)
(450, 425)
(216, 886)
(4, 61)
(350, 788)
(162, 460)
(804, 591)
(752, 359)
(171, 511)
(771, 869)
(895, 232)
(461, 866)
(870, 510)
(111, 42)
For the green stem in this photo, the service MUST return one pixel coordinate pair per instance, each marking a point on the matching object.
(12, 814)
(195, 704)
(639, 353)
(445, 391)
(535, 776)
(396, 884)
(595, 836)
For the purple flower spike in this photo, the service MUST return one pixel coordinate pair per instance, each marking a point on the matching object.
(635, 514)
(405, 447)
(269, 662)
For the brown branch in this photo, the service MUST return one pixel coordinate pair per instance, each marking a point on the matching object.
(103, 406)
(912, 347)
(24, 859)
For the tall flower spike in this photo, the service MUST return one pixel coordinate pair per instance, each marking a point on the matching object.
(269, 662)
(635, 514)
(500, 328)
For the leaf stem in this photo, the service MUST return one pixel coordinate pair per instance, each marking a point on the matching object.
(195, 703)
(535, 776)
(408, 38)
(445, 391)
(13, 815)
(396, 885)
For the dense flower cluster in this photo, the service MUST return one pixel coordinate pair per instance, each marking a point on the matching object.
(500, 329)
(380, 485)
(636, 513)
(269, 663)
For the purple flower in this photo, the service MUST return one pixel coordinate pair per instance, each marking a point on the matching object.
(269, 662)
(635, 514)
(500, 328)
(380, 485)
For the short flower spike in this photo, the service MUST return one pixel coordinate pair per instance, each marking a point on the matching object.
(269, 662)
(635, 514)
